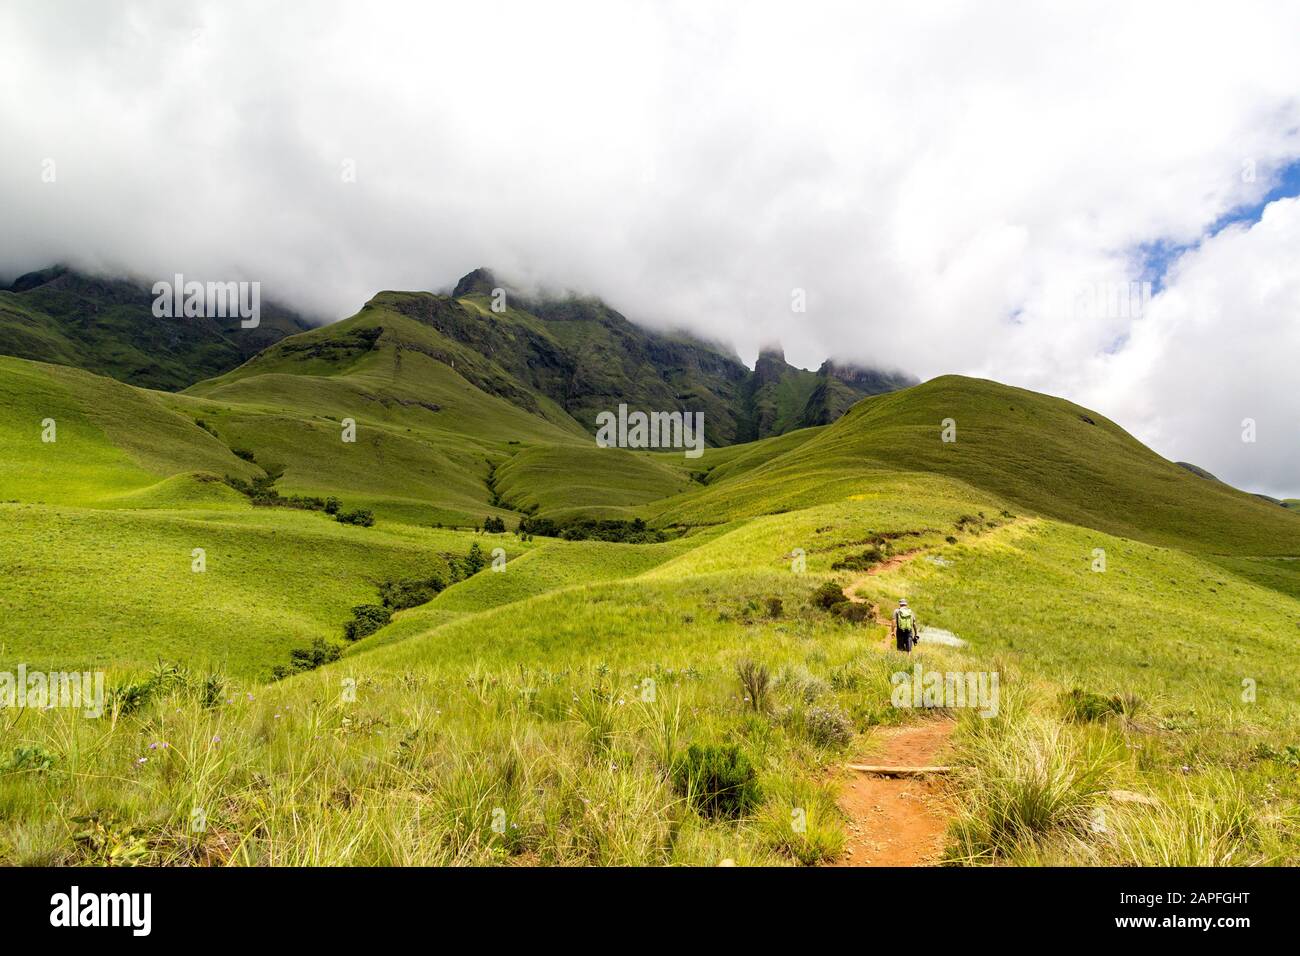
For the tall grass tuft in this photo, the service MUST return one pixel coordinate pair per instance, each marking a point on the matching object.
(1027, 778)
(756, 684)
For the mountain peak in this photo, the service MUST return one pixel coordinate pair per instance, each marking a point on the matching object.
(481, 280)
(873, 379)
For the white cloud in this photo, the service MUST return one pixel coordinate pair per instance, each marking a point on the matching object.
(924, 173)
(1220, 345)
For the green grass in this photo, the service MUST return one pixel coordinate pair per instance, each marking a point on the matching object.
(122, 583)
(562, 690)
(1032, 451)
(585, 480)
(1157, 622)
(110, 439)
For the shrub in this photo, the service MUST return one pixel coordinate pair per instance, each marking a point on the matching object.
(332, 505)
(828, 595)
(756, 683)
(366, 619)
(308, 658)
(409, 592)
(853, 611)
(1288, 756)
(804, 685)
(775, 607)
(717, 779)
(362, 516)
(243, 453)
(494, 525)
(828, 726)
(261, 493)
(462, 568)
(860, 562)
(126, 699)
(591, 529)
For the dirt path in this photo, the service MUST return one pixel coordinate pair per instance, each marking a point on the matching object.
(898, 821)
(890, 564)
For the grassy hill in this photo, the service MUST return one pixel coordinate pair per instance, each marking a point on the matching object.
(108, 326)
(1035, 452)
(562, 682)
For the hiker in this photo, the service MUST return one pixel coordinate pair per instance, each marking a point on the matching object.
(905, 627)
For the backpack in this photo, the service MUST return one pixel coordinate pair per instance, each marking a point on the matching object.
(905, 620)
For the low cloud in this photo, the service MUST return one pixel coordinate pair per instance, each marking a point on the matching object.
(941, 181)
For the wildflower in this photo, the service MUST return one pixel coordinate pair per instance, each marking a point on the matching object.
(142, 760)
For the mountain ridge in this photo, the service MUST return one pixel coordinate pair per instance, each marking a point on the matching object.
(532, 350)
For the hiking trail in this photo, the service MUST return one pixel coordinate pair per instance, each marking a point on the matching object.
(899, 821)
(889, 564)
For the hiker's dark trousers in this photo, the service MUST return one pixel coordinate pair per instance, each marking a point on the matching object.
(904, 640)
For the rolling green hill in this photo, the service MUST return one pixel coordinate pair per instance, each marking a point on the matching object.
(563, 681)
(107, 326)
(1035, 452)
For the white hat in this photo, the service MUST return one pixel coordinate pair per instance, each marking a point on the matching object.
(902, 602)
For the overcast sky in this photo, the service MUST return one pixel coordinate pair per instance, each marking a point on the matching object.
(957, 187)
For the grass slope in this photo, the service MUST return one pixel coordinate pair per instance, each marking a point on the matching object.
(1037, 452)
(565, 689)
(110, 438)
(83, 588)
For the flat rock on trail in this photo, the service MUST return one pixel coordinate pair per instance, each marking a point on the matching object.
(898, 821)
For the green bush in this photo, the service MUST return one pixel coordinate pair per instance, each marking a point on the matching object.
(410, 592)
(828, 595)
(362, 516)
(127, 698)
(717, 779)
(332, 505)
(860, 562)
(366, 619)
(302, 659)
(852, 611)
(828, 726)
